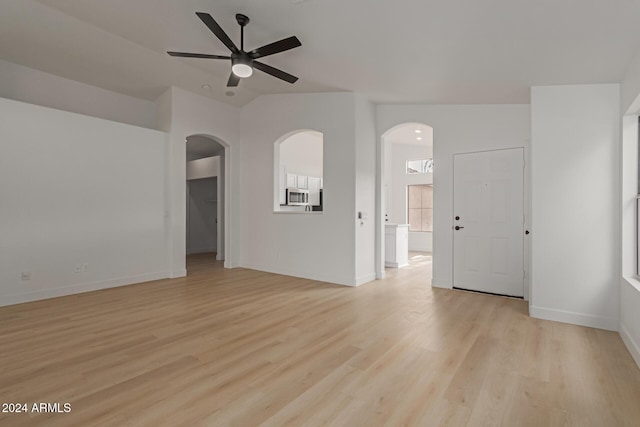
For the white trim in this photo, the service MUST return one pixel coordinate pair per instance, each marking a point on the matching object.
(395, 264)
(632, 346)
(589, 320)
(439, 283)
(178, 273)
(80, 288)
(633, 282)
(317, 277)
(365, 279)
(380, 276)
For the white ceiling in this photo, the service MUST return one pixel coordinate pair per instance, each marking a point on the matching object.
(401, 51)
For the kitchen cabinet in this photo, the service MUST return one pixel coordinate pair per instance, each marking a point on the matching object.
(396, 245)
(303, 182)
(314, 190)
(292, 180)
(299, 181)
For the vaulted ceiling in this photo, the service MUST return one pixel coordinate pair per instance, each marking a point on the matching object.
(401, 51)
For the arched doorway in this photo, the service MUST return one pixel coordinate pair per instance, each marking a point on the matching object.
(405, 193)
(207, 204)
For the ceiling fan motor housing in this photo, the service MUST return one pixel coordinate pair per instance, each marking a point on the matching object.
(242, 19)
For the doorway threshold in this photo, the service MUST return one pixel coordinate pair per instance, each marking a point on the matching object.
(487, 293)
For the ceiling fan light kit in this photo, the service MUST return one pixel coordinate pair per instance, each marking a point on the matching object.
(241, 67)
(242, 62)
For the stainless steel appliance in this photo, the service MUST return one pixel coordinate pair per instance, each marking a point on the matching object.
(297, 197)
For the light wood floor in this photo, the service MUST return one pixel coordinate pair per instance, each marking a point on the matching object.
(246, 348)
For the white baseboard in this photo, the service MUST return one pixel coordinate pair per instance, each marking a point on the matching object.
(365, 279)
(79, 288)
(305, 275)
(581, 319)
(632, 346)
(395, 264)
(178, 273)
(439, 283)
(381, 275)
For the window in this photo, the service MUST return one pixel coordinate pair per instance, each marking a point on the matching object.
(420, 207)
(419, 166)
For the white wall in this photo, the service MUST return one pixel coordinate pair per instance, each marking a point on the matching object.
(185, 114)
(301, 154)
(206, 167)
(77, 190)
(456, 129)
(365, 168)
(398, 180)
(630, 317)
(575, 241)
(25, 84)
(319, 245)
(630, 87)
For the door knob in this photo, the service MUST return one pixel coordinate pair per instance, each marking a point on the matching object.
(458, 227)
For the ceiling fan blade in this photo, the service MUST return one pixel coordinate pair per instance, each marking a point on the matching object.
(233, 80)
(197, 55)
(275, 72)
(276, 47)
(217, 30)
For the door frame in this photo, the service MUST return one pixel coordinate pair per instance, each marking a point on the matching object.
(380, 200)
(224, 213)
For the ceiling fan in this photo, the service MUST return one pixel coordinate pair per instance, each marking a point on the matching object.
(243, 63)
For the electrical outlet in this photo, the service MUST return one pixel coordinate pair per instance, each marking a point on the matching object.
(85, 266)
(78, 268)
(26, 275)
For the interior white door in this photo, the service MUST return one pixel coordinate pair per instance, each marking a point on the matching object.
(488, 221)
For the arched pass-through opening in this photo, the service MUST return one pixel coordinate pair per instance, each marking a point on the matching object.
(404, 231)
(298, 172)
(207, 199)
